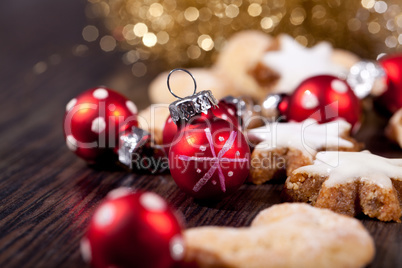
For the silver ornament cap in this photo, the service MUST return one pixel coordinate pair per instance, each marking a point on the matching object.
(136, 151)
(190, 106)
(187, 107)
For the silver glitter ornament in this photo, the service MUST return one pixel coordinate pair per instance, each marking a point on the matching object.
(187, 107)
(367, 77)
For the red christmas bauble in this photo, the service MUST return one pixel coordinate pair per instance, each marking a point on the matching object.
(133, 230)
(210, 158)
(93, 121)
(225, 111)
(323, 98)
(391, 99)
(168, 133)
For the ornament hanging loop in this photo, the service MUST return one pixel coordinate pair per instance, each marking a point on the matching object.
(183, 70)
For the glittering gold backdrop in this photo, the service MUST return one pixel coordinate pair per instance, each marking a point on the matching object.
(184, 32)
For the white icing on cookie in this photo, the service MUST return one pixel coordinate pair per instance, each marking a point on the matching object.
(307, 136)
(295, 63)
(344, 167)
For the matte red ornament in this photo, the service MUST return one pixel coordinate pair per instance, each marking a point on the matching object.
(93, 121)
(391, 99)
(133, 230)
(323, 98)
(225, 111)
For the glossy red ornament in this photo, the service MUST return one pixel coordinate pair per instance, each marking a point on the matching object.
(391, 99)
(133, 230)
(210, 159)
(168, 133)
(323, 98)
(225, 111)
(93, 121)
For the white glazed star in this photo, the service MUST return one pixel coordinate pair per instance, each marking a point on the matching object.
(343, 167)
(352, 182)
(307, 136)
(295, 63)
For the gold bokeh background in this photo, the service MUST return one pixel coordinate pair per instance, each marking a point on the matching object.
(191, 33)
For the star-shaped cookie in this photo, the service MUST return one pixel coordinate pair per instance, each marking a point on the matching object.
(350, 183)
(287, 146)
(294, 63)
(285, 235)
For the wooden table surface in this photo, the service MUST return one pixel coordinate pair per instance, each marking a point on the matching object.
(47, 194)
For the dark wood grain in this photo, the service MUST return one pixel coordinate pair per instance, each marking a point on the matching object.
(47, 195)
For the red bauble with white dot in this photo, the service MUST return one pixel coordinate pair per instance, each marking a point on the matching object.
(391, 99)
(323, 98)
(93, 121)
(133, 230)
(210, 158)
(225, 111)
